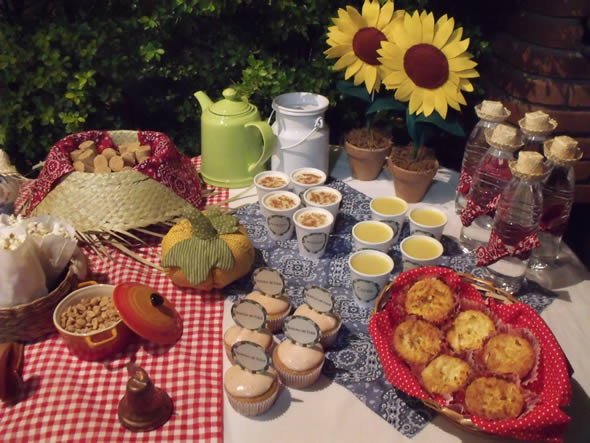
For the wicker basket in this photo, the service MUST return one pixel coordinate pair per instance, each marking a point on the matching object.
(487, 289)
(33, 320)
(111, 202)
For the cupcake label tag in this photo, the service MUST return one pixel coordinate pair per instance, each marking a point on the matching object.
(249, 314)
(250, 356)
(319, 299)
(268, 281)
(302, 330)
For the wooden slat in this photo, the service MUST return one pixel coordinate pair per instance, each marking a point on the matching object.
(582, 194)
(582, 169)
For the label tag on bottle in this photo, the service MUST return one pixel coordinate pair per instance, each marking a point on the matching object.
(268, 281)
(319, 299)
(250, 356)
(249, 314)
(302, 330)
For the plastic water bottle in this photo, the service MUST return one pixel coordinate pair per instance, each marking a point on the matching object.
(558, 198)
(517, 217)
(475, 149)
(490, 178)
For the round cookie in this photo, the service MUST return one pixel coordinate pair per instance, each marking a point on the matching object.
(469, 331)
(431, 299)
(509, 354)
(416, 341)
(445, 375)
(494, 399)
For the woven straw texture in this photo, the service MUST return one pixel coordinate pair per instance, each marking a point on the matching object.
(33, 320)
(111, 202)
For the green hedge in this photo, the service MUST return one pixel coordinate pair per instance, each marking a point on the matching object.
(67, 66)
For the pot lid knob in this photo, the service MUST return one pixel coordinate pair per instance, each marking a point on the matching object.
(144, 407)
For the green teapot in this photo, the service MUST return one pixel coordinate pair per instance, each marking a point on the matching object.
(235, 143)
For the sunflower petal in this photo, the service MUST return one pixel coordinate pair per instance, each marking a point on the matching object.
(370, 77)
(441, 21)
(371, 12)
(427, 28)
(465, 85)
(337, 51)
(395, 78)
(392, 63)
(428, 102)
(346, 26)
(340, 37)
(452, 50)
(359, 77)
(413, 27)
(345, 60)
(443, 32)
(404, 91)
(356, 18)
(353, 69)
(468, 73)
(416, 100)
(455, 36)
(461, 64)
(461, 99)
(440, 104)
(401, 37)
(385, 15)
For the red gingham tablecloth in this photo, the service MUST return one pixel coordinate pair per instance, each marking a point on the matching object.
(67, 399)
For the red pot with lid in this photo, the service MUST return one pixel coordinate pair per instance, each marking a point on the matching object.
(142, 311)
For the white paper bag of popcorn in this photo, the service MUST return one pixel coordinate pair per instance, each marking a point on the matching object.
(22, 278)
(56, 243)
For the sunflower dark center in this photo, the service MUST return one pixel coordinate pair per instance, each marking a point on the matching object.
(426, 65)
(365, 44)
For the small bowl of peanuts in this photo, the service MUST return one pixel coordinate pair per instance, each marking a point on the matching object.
(89, 323)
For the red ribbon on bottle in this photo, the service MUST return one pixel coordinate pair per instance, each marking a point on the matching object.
(465, 181)
(472, 210)
(497, 249)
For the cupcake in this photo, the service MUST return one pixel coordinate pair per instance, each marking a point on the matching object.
(494, 399)
(298, 366)
(509, 354)
(277, 308)
(431, 299)
(329, 323)
(251, 393)
(237, 333)
(469, 331)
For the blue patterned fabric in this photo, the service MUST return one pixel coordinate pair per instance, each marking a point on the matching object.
(353, 361)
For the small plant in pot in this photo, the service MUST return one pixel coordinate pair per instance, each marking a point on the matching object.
(423, 61)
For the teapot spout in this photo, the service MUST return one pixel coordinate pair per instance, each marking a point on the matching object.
(203, 99)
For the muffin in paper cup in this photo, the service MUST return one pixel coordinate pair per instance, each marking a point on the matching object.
(277, 308)
(236, 333)
(329, 324)
(297, 355)
(251, 406)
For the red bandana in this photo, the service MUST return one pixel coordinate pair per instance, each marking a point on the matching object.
(497, 249)
(472, 210)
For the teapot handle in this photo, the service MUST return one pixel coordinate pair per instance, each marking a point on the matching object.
(268, 139)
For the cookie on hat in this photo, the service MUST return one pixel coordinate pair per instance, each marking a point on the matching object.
(563, 150)
(537, 123)
(504, 137)
(529, 166)
(492, 111)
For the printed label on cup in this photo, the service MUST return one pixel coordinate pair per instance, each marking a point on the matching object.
(365, 290)
(268, 281)
(249, 314)
(279, 224)
(250, 356)
(319, 299)
(394, 226)
(302, 330)
(314, 243)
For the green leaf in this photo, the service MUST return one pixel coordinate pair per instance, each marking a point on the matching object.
(223, 224)
(201, 225)
(348, 88)
(196, 258)
(450, 124)
(385, 104)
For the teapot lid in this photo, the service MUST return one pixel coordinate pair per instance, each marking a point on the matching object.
(231, 104)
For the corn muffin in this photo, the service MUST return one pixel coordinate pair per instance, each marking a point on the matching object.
(416, 341)
(509, 354)
(431, 299)
(494, 399)
(469, 331)
(445, 375)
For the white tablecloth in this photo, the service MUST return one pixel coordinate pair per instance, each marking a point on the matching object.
(328, 412)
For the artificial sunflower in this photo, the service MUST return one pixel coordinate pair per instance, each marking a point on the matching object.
(356, 37)
(427, 63)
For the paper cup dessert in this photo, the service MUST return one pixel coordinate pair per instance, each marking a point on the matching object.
(277, 308)
(369, 272)
(269, 181)
(305, 178)
(298, 366)
(278, 207)
(236, 334)
(323, 197)
(372, 234)
(329, 323)
(420, 250)
(427, 220)
(313, 227)
(391, 211)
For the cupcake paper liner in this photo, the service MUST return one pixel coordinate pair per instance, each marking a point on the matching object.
(276, 324)
(330, 338)
(300, 381)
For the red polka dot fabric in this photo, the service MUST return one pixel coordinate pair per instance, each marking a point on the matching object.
(546, 421)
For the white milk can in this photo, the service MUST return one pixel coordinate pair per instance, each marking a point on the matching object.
(303, 137)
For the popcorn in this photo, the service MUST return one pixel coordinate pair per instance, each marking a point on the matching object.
(11, 241)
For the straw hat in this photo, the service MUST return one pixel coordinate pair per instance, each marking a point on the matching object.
(492, 111)
(6, 167)
(504, 137)
(537, 123)
(563, 150)
(529, 166)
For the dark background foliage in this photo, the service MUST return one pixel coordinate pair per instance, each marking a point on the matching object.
(72, 65)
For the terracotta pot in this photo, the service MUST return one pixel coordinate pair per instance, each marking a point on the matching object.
(365, 164)
(410, 185)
